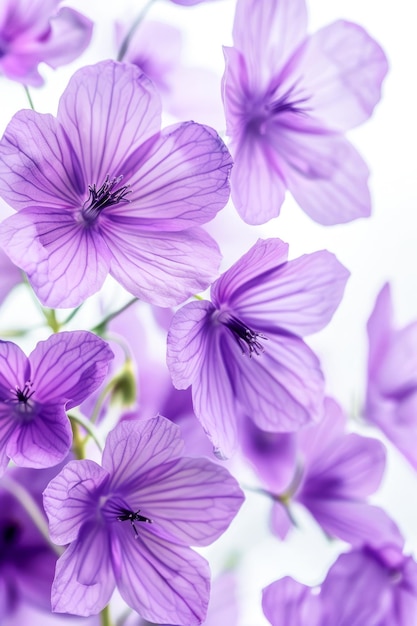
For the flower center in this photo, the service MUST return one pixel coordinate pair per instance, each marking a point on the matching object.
(130, 516)
(290, 101)
(107, 195)
(22, 397)
(246, 338)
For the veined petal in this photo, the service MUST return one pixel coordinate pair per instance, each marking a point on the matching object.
(68, 367)
(41, 440)
(70, 35)
(267, 33)
(341, 68)
(70, 499)
(179, 179)
(261, 261)
(136, 447)
(38, 164)
(166, 583)
(65, 262)
(194, 500)
(287, 602)
(14, 368)
(84, 579)
(7, 428)
(108, 109)
(160, 267)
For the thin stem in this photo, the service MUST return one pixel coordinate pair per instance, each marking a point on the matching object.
(29, 97)
(71, 315)
(126, 41)
(105, 617)
(78, 441)
(31, 507)
(101, 327)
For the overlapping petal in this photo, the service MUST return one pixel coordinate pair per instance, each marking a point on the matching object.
(70, 34)
(287, 602)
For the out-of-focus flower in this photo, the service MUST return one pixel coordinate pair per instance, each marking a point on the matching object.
(36, 391)
(243, 352)
(334, 475)
(134, 211)
(10, 275)
(34, 31)
(129, 523)
(391, 399)
(363, 588)
(289, 97)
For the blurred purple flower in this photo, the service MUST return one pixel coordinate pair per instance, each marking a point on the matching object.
(36, 391)
(288, 98)
(243, 351)
(363, 588)
(391, 399)
(34, 31)
(335, 474)
(130, 522)
(134, 211)
(10, 275)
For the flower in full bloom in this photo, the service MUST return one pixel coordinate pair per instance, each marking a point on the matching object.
(391, 399)
(101, 189)
(36, 31)
(129, 523)
(243, 351)
(36, 391)
(288, 98)
(328, 471)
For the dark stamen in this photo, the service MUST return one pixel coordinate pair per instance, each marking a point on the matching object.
(289, 102)
(130, 516)
(103, 197)
(24, 394)
(246, 338)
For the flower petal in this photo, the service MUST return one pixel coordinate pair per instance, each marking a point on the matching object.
(287, 602)
(195, 500)
(69, 36)
(38, 164)
(108, 109)
(65, 262)
(84, 579)
(164, 582)
(134, 448)
(69, 499)
(160, 267)
(342, 69)
(69, 366)
(14, 368)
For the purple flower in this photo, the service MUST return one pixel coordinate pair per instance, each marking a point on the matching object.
(391, 399)
(36, 391)
(334, 475)
(287, 602)
(129, 523)
(33, 31)
(100, 189)
(10, 275)
(288, 98)
(243, 352)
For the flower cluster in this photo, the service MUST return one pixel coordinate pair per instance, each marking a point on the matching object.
(146, 382)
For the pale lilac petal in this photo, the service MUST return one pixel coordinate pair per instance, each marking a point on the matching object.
(108, 109)
(160, 267)
(65, 262)
(38, 164)
(135, 448)
(223, 606)
(43, 440)
(327, 177)
(263, 259)
(14, 368)
(194, 499)
(69, 366)
(84, 579)
(181, 173)
(267, 34)
(315, 440)
(280, 521)
(69, 36)
(68, 499)
(10, 275)
(342, 69)
(287, 602)
(166, 583)
(380, 329)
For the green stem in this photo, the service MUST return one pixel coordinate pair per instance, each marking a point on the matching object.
(71, 315)
(126, 41)
(105, 617)
(78, 441)
(29, 97)
(101, 327)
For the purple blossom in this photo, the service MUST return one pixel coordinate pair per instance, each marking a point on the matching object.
(391, 399)
(10, 275)
(288, 98)
(129, 523)
(243, 353)
(34, 31)
(330, 472)
(134, 211)
(36, 391)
